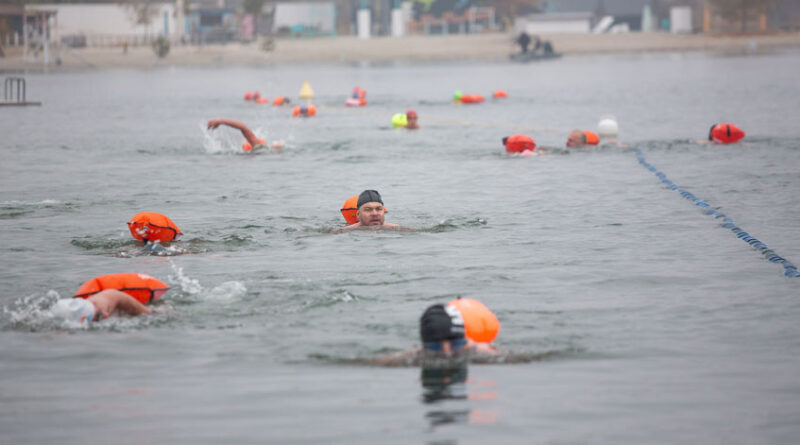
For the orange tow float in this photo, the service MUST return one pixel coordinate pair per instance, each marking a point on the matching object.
(151, 226)
(142, 287)
(518, 143)
(480, 324)
(725, 133)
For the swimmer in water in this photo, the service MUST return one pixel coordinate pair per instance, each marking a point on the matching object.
(441, 330)
(411, 119)
(252, 141)
(370, 211)
(98, 307)
(580, 138)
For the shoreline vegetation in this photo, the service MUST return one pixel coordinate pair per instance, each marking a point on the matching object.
(382, 50)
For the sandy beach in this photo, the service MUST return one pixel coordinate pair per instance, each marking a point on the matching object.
(348, 50)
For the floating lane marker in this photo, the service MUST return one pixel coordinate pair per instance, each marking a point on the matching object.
(789, 269)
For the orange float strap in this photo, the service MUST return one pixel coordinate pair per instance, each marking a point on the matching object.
(143, 288)
(247, 147)
(725, 133)
(480, 324)
(517, 143)
(349, 210)
(472, 99)
(591, 137)
(151, 226)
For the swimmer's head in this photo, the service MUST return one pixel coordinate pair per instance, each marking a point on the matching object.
(711, 132)
(370, 208)
(457, 96)
(576, 138)
(76, 310)
(440, 323)
(411, 114)
(608, 127)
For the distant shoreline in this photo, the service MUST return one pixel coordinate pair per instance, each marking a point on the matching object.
(414, 49)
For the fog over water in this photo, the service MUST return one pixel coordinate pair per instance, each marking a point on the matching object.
(642, 319)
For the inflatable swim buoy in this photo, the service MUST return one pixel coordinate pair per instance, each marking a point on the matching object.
(399, 120)
(518, 143)
(725, 133)
(500, 94)
(142, 287)
(248, 96)
(247, 147)
(304, 110)
(480, 324)
(151, 226)
(591, 137)
(262, 100)
(608, 127)
(281, 100)
(349, 210)
(471, 99)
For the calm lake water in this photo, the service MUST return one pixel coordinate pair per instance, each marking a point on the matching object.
(644, 320)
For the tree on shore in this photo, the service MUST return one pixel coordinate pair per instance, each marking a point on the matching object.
(141, 12)
(741, 10)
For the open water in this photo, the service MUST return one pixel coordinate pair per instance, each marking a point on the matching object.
(639, 318)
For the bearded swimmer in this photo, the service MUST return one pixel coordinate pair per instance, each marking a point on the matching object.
(370, 212)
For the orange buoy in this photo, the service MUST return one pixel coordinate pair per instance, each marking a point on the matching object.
(304, 110)
(248, 96)
(480, 324)
(281, 100)
(591, 137)
(142, 287)
(500, 94)
(517, 143)
(349, 210)
(471, 99)
(151, 226)
(262, 100)
(247, 147)
(725, 133)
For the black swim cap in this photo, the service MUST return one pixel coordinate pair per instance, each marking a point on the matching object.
(369, 196)
(711, 131)
(504, 140)
(439, 323)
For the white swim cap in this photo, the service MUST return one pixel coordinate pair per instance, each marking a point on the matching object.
(76, 310)
(607, 127)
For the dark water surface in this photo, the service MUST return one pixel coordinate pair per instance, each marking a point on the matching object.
(644, 320)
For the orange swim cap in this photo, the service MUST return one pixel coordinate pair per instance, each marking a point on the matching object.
(517, 143)
(725, 133)
(151, 226)
(349, 210)
(312, 110)
(591, 137)
(139, 286)
(500, 94)
(480, 324)
(248, 96)
(410, 113)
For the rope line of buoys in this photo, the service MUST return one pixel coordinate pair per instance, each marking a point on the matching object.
(789, 269)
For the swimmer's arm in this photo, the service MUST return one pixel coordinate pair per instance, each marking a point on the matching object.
(246, 132)
(408, 357)
(128, 305)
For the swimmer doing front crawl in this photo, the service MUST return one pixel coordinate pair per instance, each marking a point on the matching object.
(252, 141)
(98, 306)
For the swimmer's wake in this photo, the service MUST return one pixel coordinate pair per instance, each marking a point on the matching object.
(789, 269)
